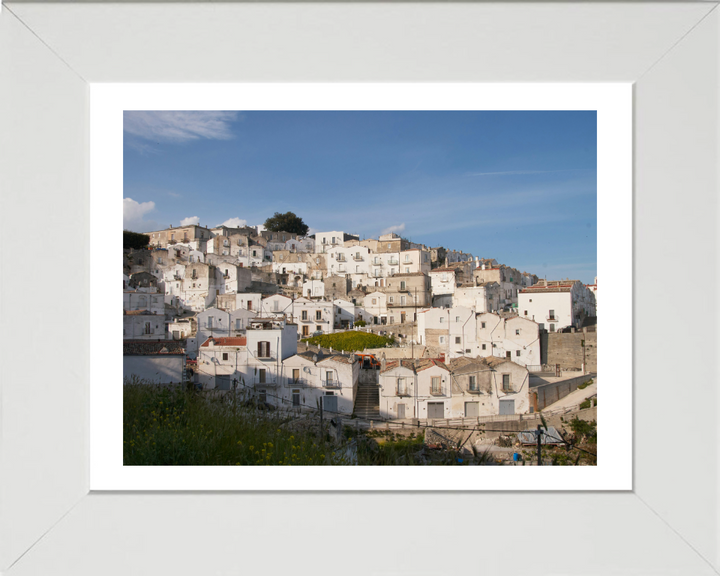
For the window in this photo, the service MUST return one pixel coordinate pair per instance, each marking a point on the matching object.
(402, 300)
(329, 377)
(472, 383)
(225, 356)
(392, 319)
(407, 270)
(262, 375)
(517, 352)
(296, 398)
(435, 385)
(304, 315)
(482, 324)
(263, 349)
(552, 327)
(295, 376)
(525, 313)
(318, 328)
(442, 319)
(517, 332)
(318, 315)
(457, 318)
(238, 323)
(442, 339)
(506, 382)
(407, 257)
(210, 322)
(391, 299)
(551, 315)
(457, 339)
(374, 301)
(276, 305)
(263, 394)
(484, 347)
(402, 285)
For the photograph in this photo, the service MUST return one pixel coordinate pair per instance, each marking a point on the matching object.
(360, 288)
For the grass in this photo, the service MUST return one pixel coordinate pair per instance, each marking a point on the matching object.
(350, 341)
(165, 426)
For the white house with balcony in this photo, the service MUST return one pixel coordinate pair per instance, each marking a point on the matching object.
(415, 389)
(311, 379)
(443, 281)
(313, 316)
(326, 240)
(483, 298)
(269, 342)
(348, 260)
(414, 260)
(556, 305)
(313, 288)
(216, 322)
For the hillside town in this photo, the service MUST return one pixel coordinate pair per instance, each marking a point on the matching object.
(466, 336)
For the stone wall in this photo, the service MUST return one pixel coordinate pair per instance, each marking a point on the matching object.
(566, 349)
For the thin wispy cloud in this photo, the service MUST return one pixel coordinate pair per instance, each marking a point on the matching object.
(178, 126)
(174, 194)
(519, 172)
(397, 228)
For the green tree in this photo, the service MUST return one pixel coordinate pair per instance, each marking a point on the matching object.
(288, 222)
(134, 240)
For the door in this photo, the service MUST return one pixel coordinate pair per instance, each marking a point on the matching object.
(296, 398)
(401, 411)
(472, 409)
(402, 317)
(507, 407)
(222, 382)
(436, 410)
(330, 403)
(305, 331)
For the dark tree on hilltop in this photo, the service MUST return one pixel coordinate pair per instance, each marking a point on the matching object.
(287, 222)
(134, 240)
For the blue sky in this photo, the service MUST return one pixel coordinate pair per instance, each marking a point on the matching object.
(520, 187)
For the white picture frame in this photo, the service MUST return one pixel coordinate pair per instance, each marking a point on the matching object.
(50, 53)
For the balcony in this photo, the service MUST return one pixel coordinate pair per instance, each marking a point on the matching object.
(440, 391)
(298, 383)
(340, 258)
(393, 262)
(552, 318)
(474, 390)
(270, 381)
(358, 258)
(402, 391)
(376, 263)
(271, 358)
(331, 384)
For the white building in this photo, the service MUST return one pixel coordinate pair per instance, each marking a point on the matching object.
(414, 260)
(311, 379)
(513, 338)
(348, 260)
(313, 316)
(153, 362)
(375, 304)
(276, 306)
(488, 387)
(557, 305)
(222, 363)
(313, 288)
(143, 325)
(483, 298)
(442, 281)
(269, 343)
(144, 299)
(326, 240)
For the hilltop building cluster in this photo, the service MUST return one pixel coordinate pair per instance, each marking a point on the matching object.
(226, 307)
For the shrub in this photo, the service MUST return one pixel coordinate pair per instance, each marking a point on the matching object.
(585, 404)
(360, 323)
(350, 341)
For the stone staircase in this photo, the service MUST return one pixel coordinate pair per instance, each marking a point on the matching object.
(367, 402)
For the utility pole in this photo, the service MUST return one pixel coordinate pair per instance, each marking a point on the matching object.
(321, 419)
(539, 448)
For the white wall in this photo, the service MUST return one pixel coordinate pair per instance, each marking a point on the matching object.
(156, 369)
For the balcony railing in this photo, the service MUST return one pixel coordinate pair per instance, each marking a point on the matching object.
(298, 382)
(439, 391)
(393, 262)
(358, 258)
(402, 391)
(474, 390)
(269, 381)
(376, 263)
(332, 384)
